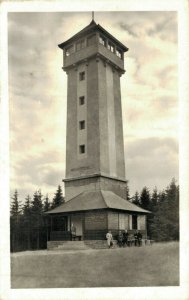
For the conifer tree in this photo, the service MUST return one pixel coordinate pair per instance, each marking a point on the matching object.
(58, 198)
(145, 198)
(136, 199)
(154, 198)
(37, 204)
(172, 213)
(165, 224)
(47, 204)
(15, 205)
(27, 219)
(37, 217)
(15, 221)
(27, 206)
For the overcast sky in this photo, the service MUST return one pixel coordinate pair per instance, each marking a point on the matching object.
(38, 92)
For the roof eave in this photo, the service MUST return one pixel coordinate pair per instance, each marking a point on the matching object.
(91, 29)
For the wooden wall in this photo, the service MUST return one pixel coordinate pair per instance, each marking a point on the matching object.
(96, 220)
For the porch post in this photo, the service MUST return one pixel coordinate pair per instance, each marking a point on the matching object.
(51, 222)
(70, 226)
(83, 225)
(47, 224)
(70, 221)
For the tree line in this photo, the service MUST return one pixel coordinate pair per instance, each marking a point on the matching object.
(29, 223)
(163, 222)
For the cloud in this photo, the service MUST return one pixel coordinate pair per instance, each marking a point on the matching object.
(151, 162)
(128, 28)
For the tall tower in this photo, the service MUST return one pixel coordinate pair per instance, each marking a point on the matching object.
(94, 61)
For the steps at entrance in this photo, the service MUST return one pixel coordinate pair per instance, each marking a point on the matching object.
(78, 245)
(67, 245)
(99, 244)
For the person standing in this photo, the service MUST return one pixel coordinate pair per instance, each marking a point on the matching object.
(125, 238)
(73, 232)
(136, 237)
(139, 238)
(109, 239)
(120, 239)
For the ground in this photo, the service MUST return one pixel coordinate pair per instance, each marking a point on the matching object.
(156, 265)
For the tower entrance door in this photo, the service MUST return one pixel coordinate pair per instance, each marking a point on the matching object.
(77, 221)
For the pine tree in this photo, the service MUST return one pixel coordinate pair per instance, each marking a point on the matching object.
(154, 199)
(27, 206)
(15, 205)
(145, 198)
(172, 214)
(27, 219)
(37, 214)
(166, 216)
(152, 207)
(15, 221)
(136, 199)
(47, 204)
(58, 198)
(37, 204)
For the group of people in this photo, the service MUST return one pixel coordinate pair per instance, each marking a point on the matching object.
(125, 239)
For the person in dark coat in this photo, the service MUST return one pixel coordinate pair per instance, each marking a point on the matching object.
(136, 237)
(139, 238)
(125, 238)
(120, 239)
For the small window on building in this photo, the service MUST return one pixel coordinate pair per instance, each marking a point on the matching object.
(81, 100)
(91, 40)
(81, 125)
(111, 47)
(102, 40)
(82, 76)
(80, 45)
(82, 149)
(69, 50)
(134, 221)
(119, 53)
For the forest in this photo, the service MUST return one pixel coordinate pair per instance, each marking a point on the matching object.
(28, 222)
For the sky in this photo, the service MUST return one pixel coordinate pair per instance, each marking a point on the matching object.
(38, 95)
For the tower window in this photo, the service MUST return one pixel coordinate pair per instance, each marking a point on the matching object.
(81, 125)
(91, 40)
(82, 149)
(119, 53)
(81, 100)
(80, 45)
(111, 47)
(102, 40)
(69, 50)
(82, 76)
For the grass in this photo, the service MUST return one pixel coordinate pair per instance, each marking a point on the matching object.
(156, 265)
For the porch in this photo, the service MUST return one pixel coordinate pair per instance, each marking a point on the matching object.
(93, 214)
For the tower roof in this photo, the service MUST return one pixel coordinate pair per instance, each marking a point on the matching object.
(91, 200)
(91, 28)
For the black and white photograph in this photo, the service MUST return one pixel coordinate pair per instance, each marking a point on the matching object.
(94, 166)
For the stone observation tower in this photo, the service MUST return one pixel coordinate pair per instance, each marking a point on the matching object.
(94, 63)
(95, 183)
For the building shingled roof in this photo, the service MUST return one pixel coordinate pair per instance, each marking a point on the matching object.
(91, 200)
(92, 27)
